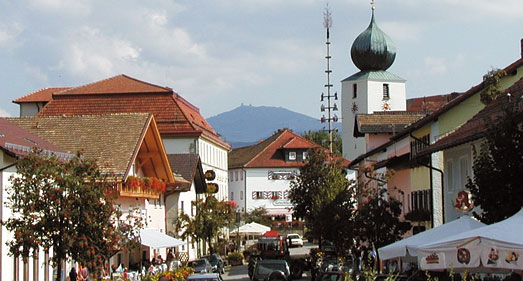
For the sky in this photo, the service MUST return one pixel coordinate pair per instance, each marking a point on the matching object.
(219, 54)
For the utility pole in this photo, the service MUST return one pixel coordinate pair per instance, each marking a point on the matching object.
(327, 23)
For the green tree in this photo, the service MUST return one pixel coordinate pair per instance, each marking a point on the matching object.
(211, 217)
(322, 196)
(321, 137)
(491, 81)
(63, 205)
(378, 219)
(498, 164)
(257, 215)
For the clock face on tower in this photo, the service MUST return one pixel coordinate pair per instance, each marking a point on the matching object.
(354, 107)
(386, 106)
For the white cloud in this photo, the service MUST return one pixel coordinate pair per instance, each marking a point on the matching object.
(66, 8)
(435, 66)
(402, 30)
(4, 113)
(37, 73)
(9, 34)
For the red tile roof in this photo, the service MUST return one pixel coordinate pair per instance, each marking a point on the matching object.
(475, 128)
(43, 95)
(123, 94)
(269, 152)
(431, 103)
(120, 84)
(17, 141)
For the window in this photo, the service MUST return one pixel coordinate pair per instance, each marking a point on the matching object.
(181, 204)
(386, 95)
(241, 175)
(236, 175)
(292, 155)
(258, 195)
(464, 171)
(230, 176)
(354, 90)
(232, 195)
(241, 195)
(305, 155)
(450, 176)
(275, 195)
(192, 209)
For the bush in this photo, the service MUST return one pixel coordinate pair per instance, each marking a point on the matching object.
(235, 256)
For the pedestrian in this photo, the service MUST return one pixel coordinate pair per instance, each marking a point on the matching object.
(72, 274)
(85, 274)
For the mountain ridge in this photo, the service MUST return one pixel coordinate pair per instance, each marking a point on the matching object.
(246, 124)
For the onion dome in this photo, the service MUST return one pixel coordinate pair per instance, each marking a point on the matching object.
(373, 49)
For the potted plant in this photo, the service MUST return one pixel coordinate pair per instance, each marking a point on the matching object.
(235, 258)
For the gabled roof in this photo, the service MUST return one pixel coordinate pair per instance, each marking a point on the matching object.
(384, 122)
(120, 84)
(43, 95)
(18, 142)
(174, 115)
(113, 140)
(475, 128)
(188, 166)
(462, 97)
(270, 152)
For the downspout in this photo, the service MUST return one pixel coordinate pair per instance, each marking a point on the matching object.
(431, 184)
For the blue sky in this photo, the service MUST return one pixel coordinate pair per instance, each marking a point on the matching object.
(221, 53)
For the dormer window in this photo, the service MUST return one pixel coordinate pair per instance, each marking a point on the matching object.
(292, 155)
(305, 154)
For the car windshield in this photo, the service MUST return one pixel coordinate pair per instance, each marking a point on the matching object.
(198, 263)
(267, 268)
(294, 236)
(212, 259)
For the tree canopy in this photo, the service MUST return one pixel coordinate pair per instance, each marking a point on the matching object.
(321, 137)
(498, 164)
(63, 205)
(211, 217)
(320, 195)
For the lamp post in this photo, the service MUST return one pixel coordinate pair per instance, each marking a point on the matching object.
(327, 23)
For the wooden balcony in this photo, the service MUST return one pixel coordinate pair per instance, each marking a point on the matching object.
(138, 192)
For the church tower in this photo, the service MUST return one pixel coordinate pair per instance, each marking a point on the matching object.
(373, 88)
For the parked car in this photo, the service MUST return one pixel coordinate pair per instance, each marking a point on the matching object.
(205, 277)
(264, 268)
(294, 240)
(216, 262)
(201, 266)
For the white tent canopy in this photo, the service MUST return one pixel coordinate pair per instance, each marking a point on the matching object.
(492, 248)
(251, 229)
(155, 239)
(406, 249)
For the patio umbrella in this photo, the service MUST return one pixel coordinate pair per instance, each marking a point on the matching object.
(492, 248)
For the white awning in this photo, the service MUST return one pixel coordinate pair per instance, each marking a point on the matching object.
(155, 239)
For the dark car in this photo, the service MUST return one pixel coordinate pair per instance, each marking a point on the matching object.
(216, 262)
(201, 266)
(264, 268)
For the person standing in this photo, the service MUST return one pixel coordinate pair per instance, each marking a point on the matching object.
(72, 274)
